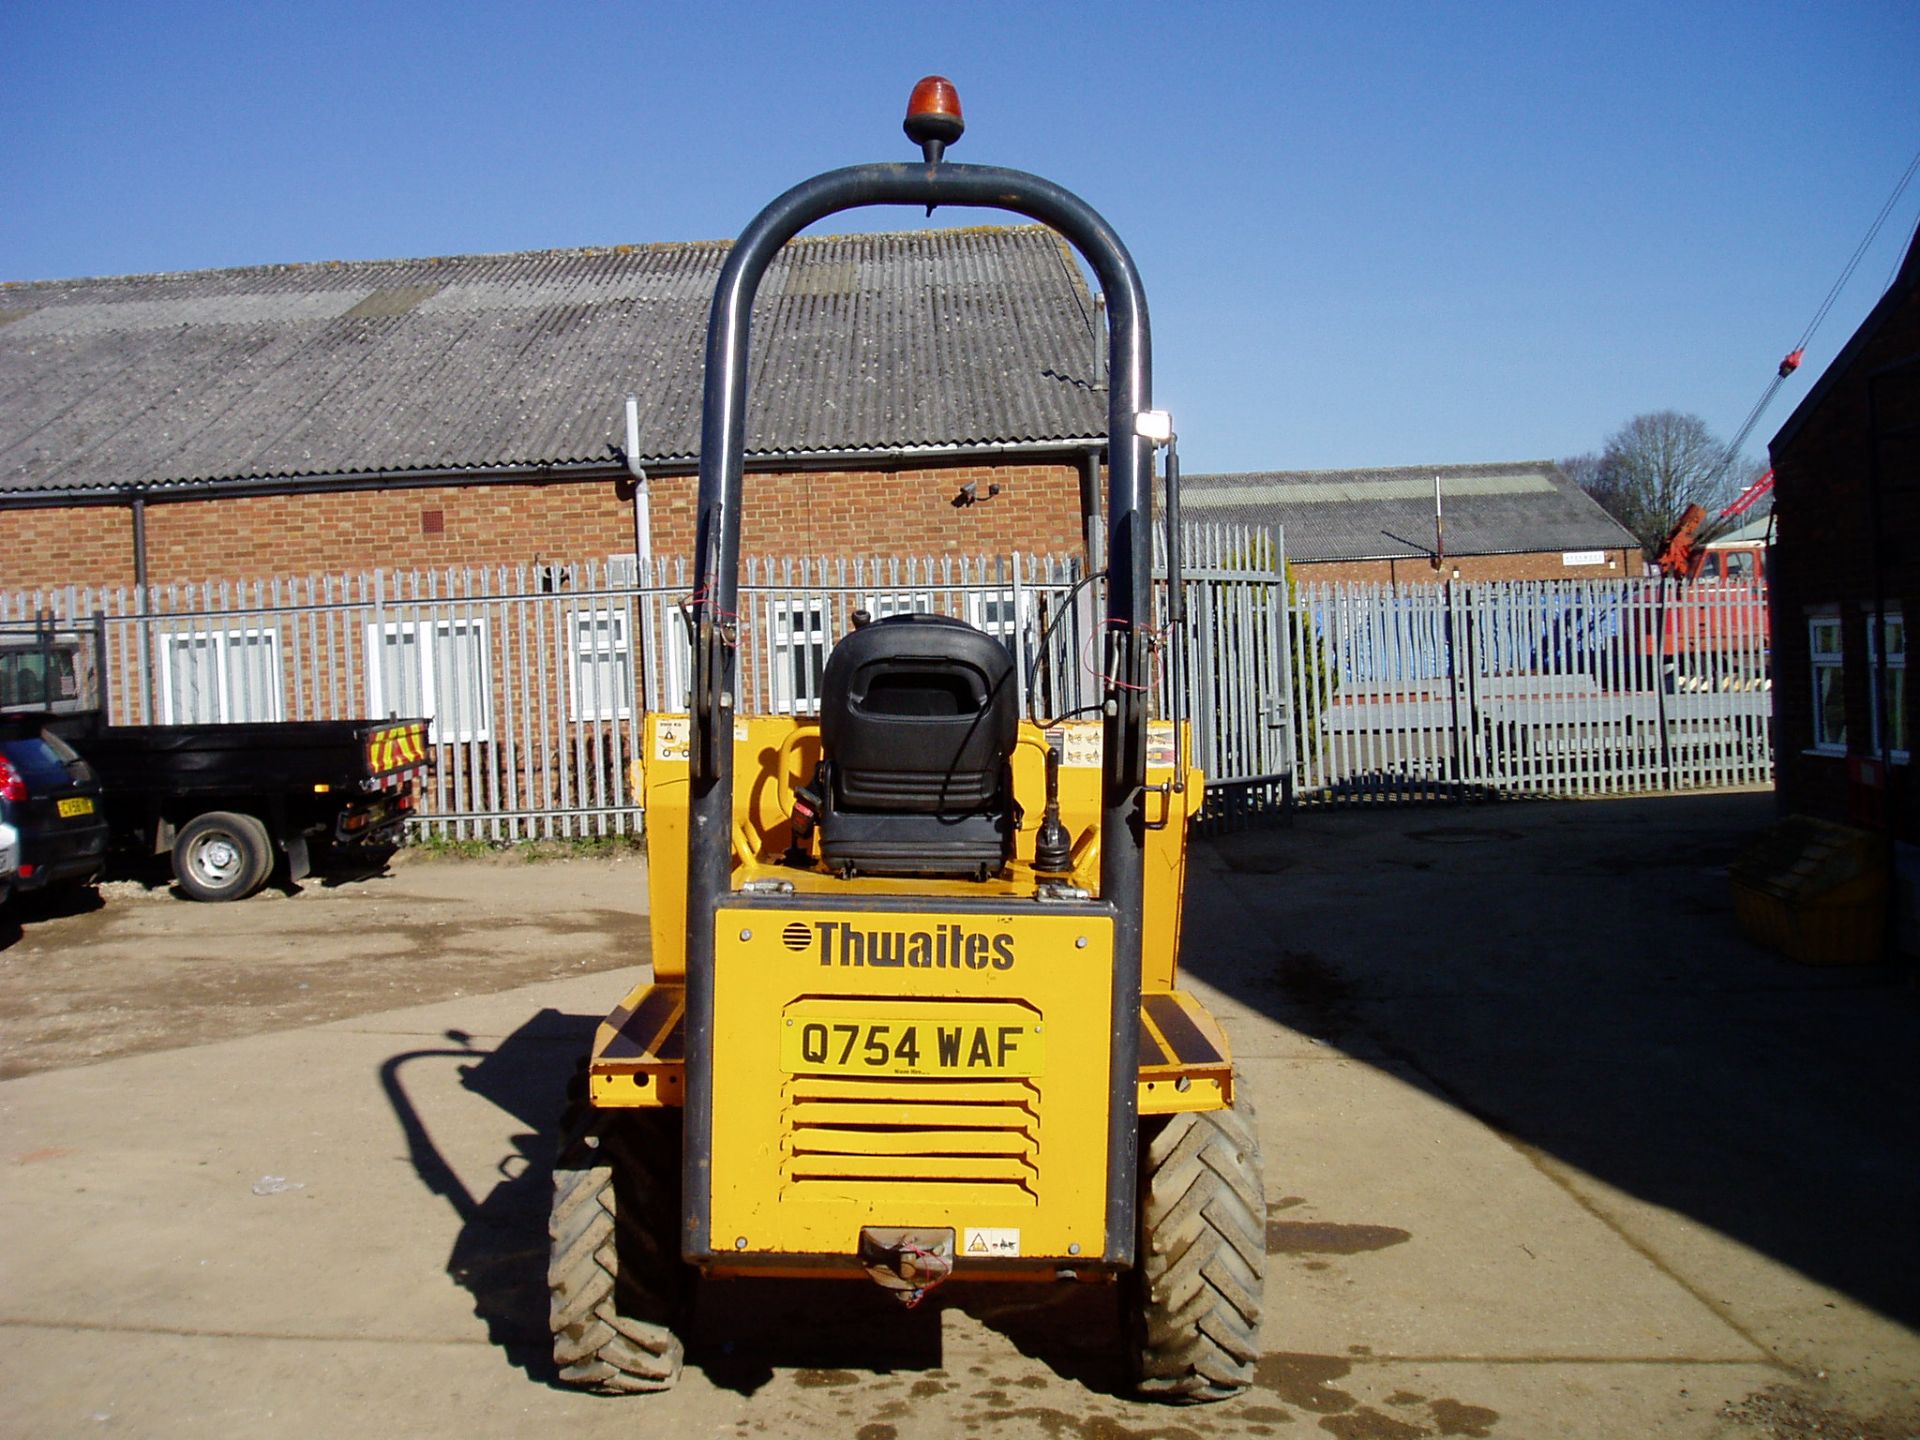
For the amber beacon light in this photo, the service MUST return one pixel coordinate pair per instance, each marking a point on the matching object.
(933, 117)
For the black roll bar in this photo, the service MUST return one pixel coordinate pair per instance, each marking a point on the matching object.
(715, 603)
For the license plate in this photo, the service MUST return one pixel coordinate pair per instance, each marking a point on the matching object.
(941, 1049)
(76, 805)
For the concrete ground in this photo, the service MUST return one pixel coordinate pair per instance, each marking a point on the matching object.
(1551, 1151)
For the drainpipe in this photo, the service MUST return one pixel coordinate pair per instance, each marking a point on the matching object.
(1877, 547)
(1877, 620)
(642, 542)
(1091, 519)
(1093, 524)
(642, 509)
(141, 607)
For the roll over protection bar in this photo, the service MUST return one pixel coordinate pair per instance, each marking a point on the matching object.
(715, 603)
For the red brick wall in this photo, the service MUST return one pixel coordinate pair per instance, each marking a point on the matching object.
(1826, 542)
(911, 512)
(841, 512)
(246, 538)
(1544, 565)
(889, 512)
(65, 547)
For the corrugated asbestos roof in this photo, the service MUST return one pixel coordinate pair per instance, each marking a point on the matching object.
(1388, 514)
(928, 339)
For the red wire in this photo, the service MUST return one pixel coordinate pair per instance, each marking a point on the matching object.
(1087, 661)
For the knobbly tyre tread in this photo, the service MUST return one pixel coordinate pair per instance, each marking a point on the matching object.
(617, 1285)
(1196, 1289)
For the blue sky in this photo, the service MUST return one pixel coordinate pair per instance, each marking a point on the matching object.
(1370, 234)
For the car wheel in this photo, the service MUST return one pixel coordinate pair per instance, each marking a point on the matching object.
(222, 855)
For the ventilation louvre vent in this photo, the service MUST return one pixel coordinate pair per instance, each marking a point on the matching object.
(977, 1139)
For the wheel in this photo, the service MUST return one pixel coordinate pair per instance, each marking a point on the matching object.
(222, 855)
(1194, 1295)
(618, 1286)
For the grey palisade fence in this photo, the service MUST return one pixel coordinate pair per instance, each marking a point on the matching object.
(1564, 688)
(537, 678)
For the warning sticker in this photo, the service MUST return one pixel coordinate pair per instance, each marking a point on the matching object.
(1078, 743)
(983, 1242)
(670, 735)
(1159, 744)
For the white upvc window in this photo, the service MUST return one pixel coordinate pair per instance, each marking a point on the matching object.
(1892, 631)
(1003, 615)
(670, 660)
(898, 602)
(797, 659)
(220, 677)
(439, 669)
(600, 665)
(1827, 653)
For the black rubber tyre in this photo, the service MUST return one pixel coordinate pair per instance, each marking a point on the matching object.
(618, 1287)
(222, 855)
(1194, 1296)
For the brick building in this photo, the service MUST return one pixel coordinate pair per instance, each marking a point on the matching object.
(1847, 549)
(293, 420)
(1523, 521)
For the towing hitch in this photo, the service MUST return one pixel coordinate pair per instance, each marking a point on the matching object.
(907, 1262)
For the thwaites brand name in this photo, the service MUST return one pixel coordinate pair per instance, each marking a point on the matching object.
(943, 947)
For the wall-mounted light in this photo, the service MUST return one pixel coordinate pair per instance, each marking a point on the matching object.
(970, 495)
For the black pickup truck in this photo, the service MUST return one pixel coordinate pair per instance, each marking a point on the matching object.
(224, 800)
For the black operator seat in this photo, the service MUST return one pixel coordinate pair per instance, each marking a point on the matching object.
(918, 722)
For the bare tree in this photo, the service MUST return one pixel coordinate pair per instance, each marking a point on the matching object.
(1653, 467)
(1589, 473)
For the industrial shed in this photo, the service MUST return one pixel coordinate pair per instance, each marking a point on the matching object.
(1845, 579)
(1520, 521)
(919, 393)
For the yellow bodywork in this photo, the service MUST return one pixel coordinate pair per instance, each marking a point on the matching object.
(825, 1130)
(910, 1052)
(772, 754)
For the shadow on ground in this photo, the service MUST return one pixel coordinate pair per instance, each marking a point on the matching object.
(742, 1331)
(331, 867)
(1571, 974)
(22, 908)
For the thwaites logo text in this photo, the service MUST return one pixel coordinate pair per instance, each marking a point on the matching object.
(943, 947)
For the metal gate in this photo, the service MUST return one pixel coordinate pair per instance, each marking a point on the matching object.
(1234, 688)
(1564, 688)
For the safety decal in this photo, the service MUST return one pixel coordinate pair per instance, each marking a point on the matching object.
(670, 737)
(982, 1242)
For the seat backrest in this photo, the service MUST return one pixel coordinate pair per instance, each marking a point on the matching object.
(918, 715)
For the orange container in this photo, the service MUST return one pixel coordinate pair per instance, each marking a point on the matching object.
(1814, 891)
